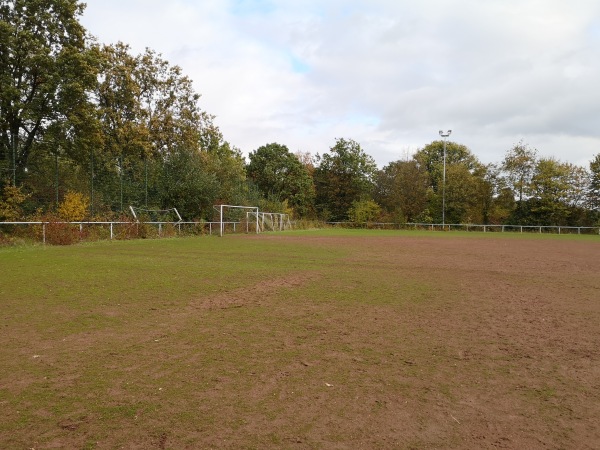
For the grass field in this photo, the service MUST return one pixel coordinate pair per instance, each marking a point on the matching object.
(308, 339)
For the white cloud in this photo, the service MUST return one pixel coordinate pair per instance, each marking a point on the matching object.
(388, 74)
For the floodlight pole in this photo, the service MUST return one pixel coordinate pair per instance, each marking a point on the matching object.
(444, 135)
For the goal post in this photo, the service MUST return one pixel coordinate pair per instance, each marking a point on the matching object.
(223, 222)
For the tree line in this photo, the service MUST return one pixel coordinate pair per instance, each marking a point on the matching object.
(99, 125)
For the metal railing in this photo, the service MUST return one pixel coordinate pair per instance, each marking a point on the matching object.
(112, 226)
(551, 229)
(210, 227)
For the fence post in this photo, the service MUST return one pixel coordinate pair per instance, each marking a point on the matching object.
(111, 231)
(159, 229)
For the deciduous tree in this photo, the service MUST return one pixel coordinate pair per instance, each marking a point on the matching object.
(279, 174)
(519, 164)
(46, 74)
(401, 189)
(344, 175)
(549, 192)
(593, 191)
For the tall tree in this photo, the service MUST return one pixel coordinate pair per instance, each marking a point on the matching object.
(593, 192)
(344, 175)
(494, 200)
(186, 184)
(401, 189)
(228, 166)
(519, 164)
(431, 159)
(550, 190)
(148, 110)
(46, 73)
(462, 168)
(279, 174)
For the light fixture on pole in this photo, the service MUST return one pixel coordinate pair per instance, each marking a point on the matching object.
(444, 135)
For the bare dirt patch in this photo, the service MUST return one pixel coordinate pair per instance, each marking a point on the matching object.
(401, 341)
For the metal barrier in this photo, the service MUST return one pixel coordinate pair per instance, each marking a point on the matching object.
(111, 224)
(208, 227)
(552, 229)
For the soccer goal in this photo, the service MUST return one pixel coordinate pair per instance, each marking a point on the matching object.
(233, 215)
(267, 221)
(155, 215)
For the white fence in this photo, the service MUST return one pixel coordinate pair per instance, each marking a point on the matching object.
(552, 229)
(113, 226)
(209, 228)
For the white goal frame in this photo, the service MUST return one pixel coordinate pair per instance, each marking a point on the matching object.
(222, 223)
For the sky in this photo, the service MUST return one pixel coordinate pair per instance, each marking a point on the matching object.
(388, 74)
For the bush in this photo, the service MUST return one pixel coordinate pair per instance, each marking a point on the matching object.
(364, 211)
(10, 203)
(74, 207)
(60, 233)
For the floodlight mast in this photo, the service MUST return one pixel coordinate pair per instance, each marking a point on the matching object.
(444, 135)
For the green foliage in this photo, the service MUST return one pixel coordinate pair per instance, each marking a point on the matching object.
(593, 192)
(227, 164)
(46, 73)
(186, 185)
(431, 159)
(468, 192)
(556, 195)
(401, 189)
(11, 203)
(364, 211)
(519, 163)
(549, 189)
(344, 175)
(278, 172)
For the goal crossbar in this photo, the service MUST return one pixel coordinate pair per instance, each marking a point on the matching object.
(222, 223)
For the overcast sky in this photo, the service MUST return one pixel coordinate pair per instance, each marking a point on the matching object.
(386, 73)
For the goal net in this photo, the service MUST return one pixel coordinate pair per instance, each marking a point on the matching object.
(266, 221)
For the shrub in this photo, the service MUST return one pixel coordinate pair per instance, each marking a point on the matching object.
(364, 211)
(74, 207)
(10, 203)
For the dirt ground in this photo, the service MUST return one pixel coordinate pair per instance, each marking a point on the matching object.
(403, 342)
(503, 351)
(510, 346)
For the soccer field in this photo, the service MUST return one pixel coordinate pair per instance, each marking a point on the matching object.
(307, 339)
